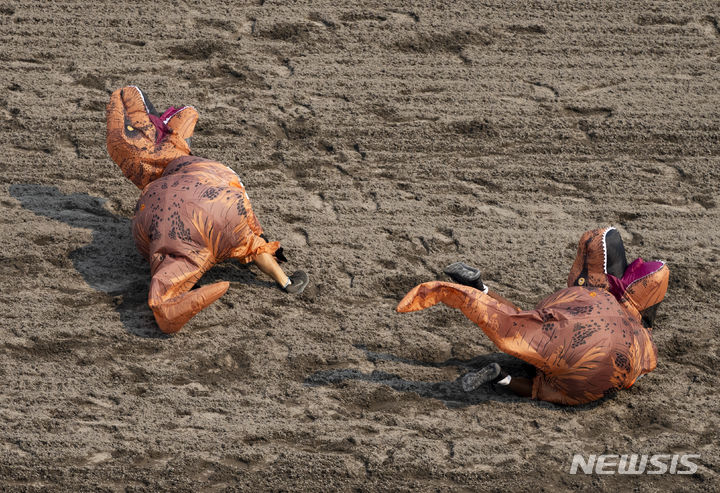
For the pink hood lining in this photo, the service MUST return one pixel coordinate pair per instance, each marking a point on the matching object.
(161, 121)
(636, 271)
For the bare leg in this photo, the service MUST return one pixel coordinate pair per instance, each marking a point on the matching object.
(269, 266)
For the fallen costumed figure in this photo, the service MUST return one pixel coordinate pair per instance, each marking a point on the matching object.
(585, 341)
(192, 213)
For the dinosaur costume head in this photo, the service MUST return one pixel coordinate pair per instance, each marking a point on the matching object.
(586, 340)
(140, 140)
(600, 262)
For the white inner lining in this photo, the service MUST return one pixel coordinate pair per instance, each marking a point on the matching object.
(605, 248)
(141, 97)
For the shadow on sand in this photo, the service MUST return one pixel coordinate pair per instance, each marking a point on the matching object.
(450, 393)
(110, 263)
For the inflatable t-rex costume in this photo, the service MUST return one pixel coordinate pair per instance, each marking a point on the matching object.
(193, 212)
(585, 340)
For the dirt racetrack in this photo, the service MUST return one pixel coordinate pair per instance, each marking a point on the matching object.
(379, 141)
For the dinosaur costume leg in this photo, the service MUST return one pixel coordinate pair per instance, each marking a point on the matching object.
(172, 277)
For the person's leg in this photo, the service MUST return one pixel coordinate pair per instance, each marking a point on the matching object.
(294, 284)
(511, 330)
(520, 386)
(269, 266)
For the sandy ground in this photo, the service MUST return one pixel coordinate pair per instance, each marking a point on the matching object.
(379, 141)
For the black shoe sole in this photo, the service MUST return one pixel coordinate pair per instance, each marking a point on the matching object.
(462, 273)
(475, 379)
(300, 281)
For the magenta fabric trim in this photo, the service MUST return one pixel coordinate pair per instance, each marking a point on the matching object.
(160, 123)
(634, 272)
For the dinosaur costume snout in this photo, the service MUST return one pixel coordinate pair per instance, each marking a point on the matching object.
(140, 140)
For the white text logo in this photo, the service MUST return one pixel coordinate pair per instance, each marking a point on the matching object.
(635, 464)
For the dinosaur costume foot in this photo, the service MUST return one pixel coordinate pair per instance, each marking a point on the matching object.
(462, 273)
(475, 379)
(172, 314)
(299, 281)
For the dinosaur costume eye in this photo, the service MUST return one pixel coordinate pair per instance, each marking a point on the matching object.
(130, 128)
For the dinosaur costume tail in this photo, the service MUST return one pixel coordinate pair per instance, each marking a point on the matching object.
(172, 314)
(170, 297)
(503, 323)
(476, 305)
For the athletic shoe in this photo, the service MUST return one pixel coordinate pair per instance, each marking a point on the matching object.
(475, 379)
(298, 282)
(462, 273)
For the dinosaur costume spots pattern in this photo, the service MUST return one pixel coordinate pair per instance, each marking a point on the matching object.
(584, 342)
(192, 213)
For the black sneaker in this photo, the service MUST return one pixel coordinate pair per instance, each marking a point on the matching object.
(298, 282)
(462, 273)
(475, 379)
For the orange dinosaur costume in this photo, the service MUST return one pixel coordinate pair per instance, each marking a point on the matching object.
(585, 340)
(193, 212)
